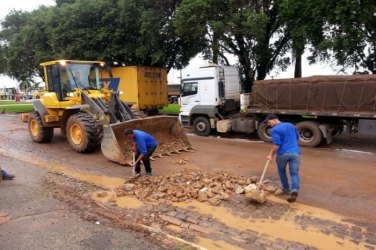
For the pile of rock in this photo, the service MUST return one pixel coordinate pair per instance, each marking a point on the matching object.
(186, 185)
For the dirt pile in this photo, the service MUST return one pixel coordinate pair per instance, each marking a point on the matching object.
(187, 185)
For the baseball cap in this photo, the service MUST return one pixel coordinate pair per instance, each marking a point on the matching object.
(270, 117)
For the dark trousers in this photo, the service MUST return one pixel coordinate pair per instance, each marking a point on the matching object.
(145, 160)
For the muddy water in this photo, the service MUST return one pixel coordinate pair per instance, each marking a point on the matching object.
(102, 181)
(124, 201)
(285, 228)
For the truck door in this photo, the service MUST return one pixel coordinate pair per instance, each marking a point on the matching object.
(189, 97)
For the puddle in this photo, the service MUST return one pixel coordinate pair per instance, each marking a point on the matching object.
(123, 202)
(286, 228)
(302, 209)
(99, 180)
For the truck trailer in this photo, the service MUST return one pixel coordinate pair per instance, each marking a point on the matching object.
(145, 88)
(320, 106)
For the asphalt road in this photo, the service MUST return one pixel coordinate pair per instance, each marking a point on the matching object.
(339, 177)
(38, 221)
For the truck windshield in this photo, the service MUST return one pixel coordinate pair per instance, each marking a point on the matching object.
(190, 88)
(82, 75)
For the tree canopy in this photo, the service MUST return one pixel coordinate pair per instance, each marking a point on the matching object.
(125, 32)
(249, 30)
(260, 34)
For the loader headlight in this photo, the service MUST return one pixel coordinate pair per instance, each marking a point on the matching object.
(71, 94)
(121, 92)
(63, 63)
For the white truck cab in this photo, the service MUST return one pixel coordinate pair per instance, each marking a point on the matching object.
(208, 95)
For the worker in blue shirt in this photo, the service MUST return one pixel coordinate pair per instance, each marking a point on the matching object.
(145, 146)
(285, 138)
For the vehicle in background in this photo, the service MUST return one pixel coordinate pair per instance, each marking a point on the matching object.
(90, 115)
(144, 88)
(173, 91)
(320, 106)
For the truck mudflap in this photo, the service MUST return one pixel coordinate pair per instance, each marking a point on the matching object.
(167, 130)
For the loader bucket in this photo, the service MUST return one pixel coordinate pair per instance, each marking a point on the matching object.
(167, 130)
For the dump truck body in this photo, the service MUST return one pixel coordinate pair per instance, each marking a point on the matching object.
(145, 87)
(340, 96)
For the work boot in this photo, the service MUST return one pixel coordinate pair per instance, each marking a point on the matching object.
(8, 177)
(148, 174)
(292, 197)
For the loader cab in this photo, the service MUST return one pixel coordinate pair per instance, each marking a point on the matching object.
(64, 77)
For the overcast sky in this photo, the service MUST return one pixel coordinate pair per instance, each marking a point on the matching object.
(28, 5)
(25, 5)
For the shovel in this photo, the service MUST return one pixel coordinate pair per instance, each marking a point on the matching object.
(133, 161)
(259, 196)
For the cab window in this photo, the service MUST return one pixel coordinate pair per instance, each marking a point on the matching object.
(189, 88)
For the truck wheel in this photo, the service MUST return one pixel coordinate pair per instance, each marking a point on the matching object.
(83, 132)
(264, 132)
(37, 131)
(201, 126)
(309, 133)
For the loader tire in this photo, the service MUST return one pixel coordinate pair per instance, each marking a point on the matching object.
(38, 132)
(201, 126)
(83, 132)
(264, 132)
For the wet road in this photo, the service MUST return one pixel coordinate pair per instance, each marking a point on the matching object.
(338, 178)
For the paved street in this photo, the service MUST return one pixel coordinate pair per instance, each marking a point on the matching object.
(59, 194)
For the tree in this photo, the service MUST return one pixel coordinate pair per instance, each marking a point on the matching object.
(352, 37)
(248, 29)
(127, 32)
(15, 54)
(304, 23)
(342, 31)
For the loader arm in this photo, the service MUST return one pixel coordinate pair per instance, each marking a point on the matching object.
(99, 112)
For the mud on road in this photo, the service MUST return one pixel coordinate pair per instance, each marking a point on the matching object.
(335, 208)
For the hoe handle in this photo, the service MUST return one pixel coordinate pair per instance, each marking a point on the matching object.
(263, 174)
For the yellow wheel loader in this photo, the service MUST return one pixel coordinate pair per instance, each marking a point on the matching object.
(88, 113)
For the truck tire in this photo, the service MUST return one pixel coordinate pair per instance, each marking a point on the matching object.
(83, 132)
(309, 133)
(37, 131)
(201, 126)
(264, 132)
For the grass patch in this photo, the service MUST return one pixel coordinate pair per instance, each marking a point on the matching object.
(171, 109)
(4, 102)
(21, 107)
(15, 107)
